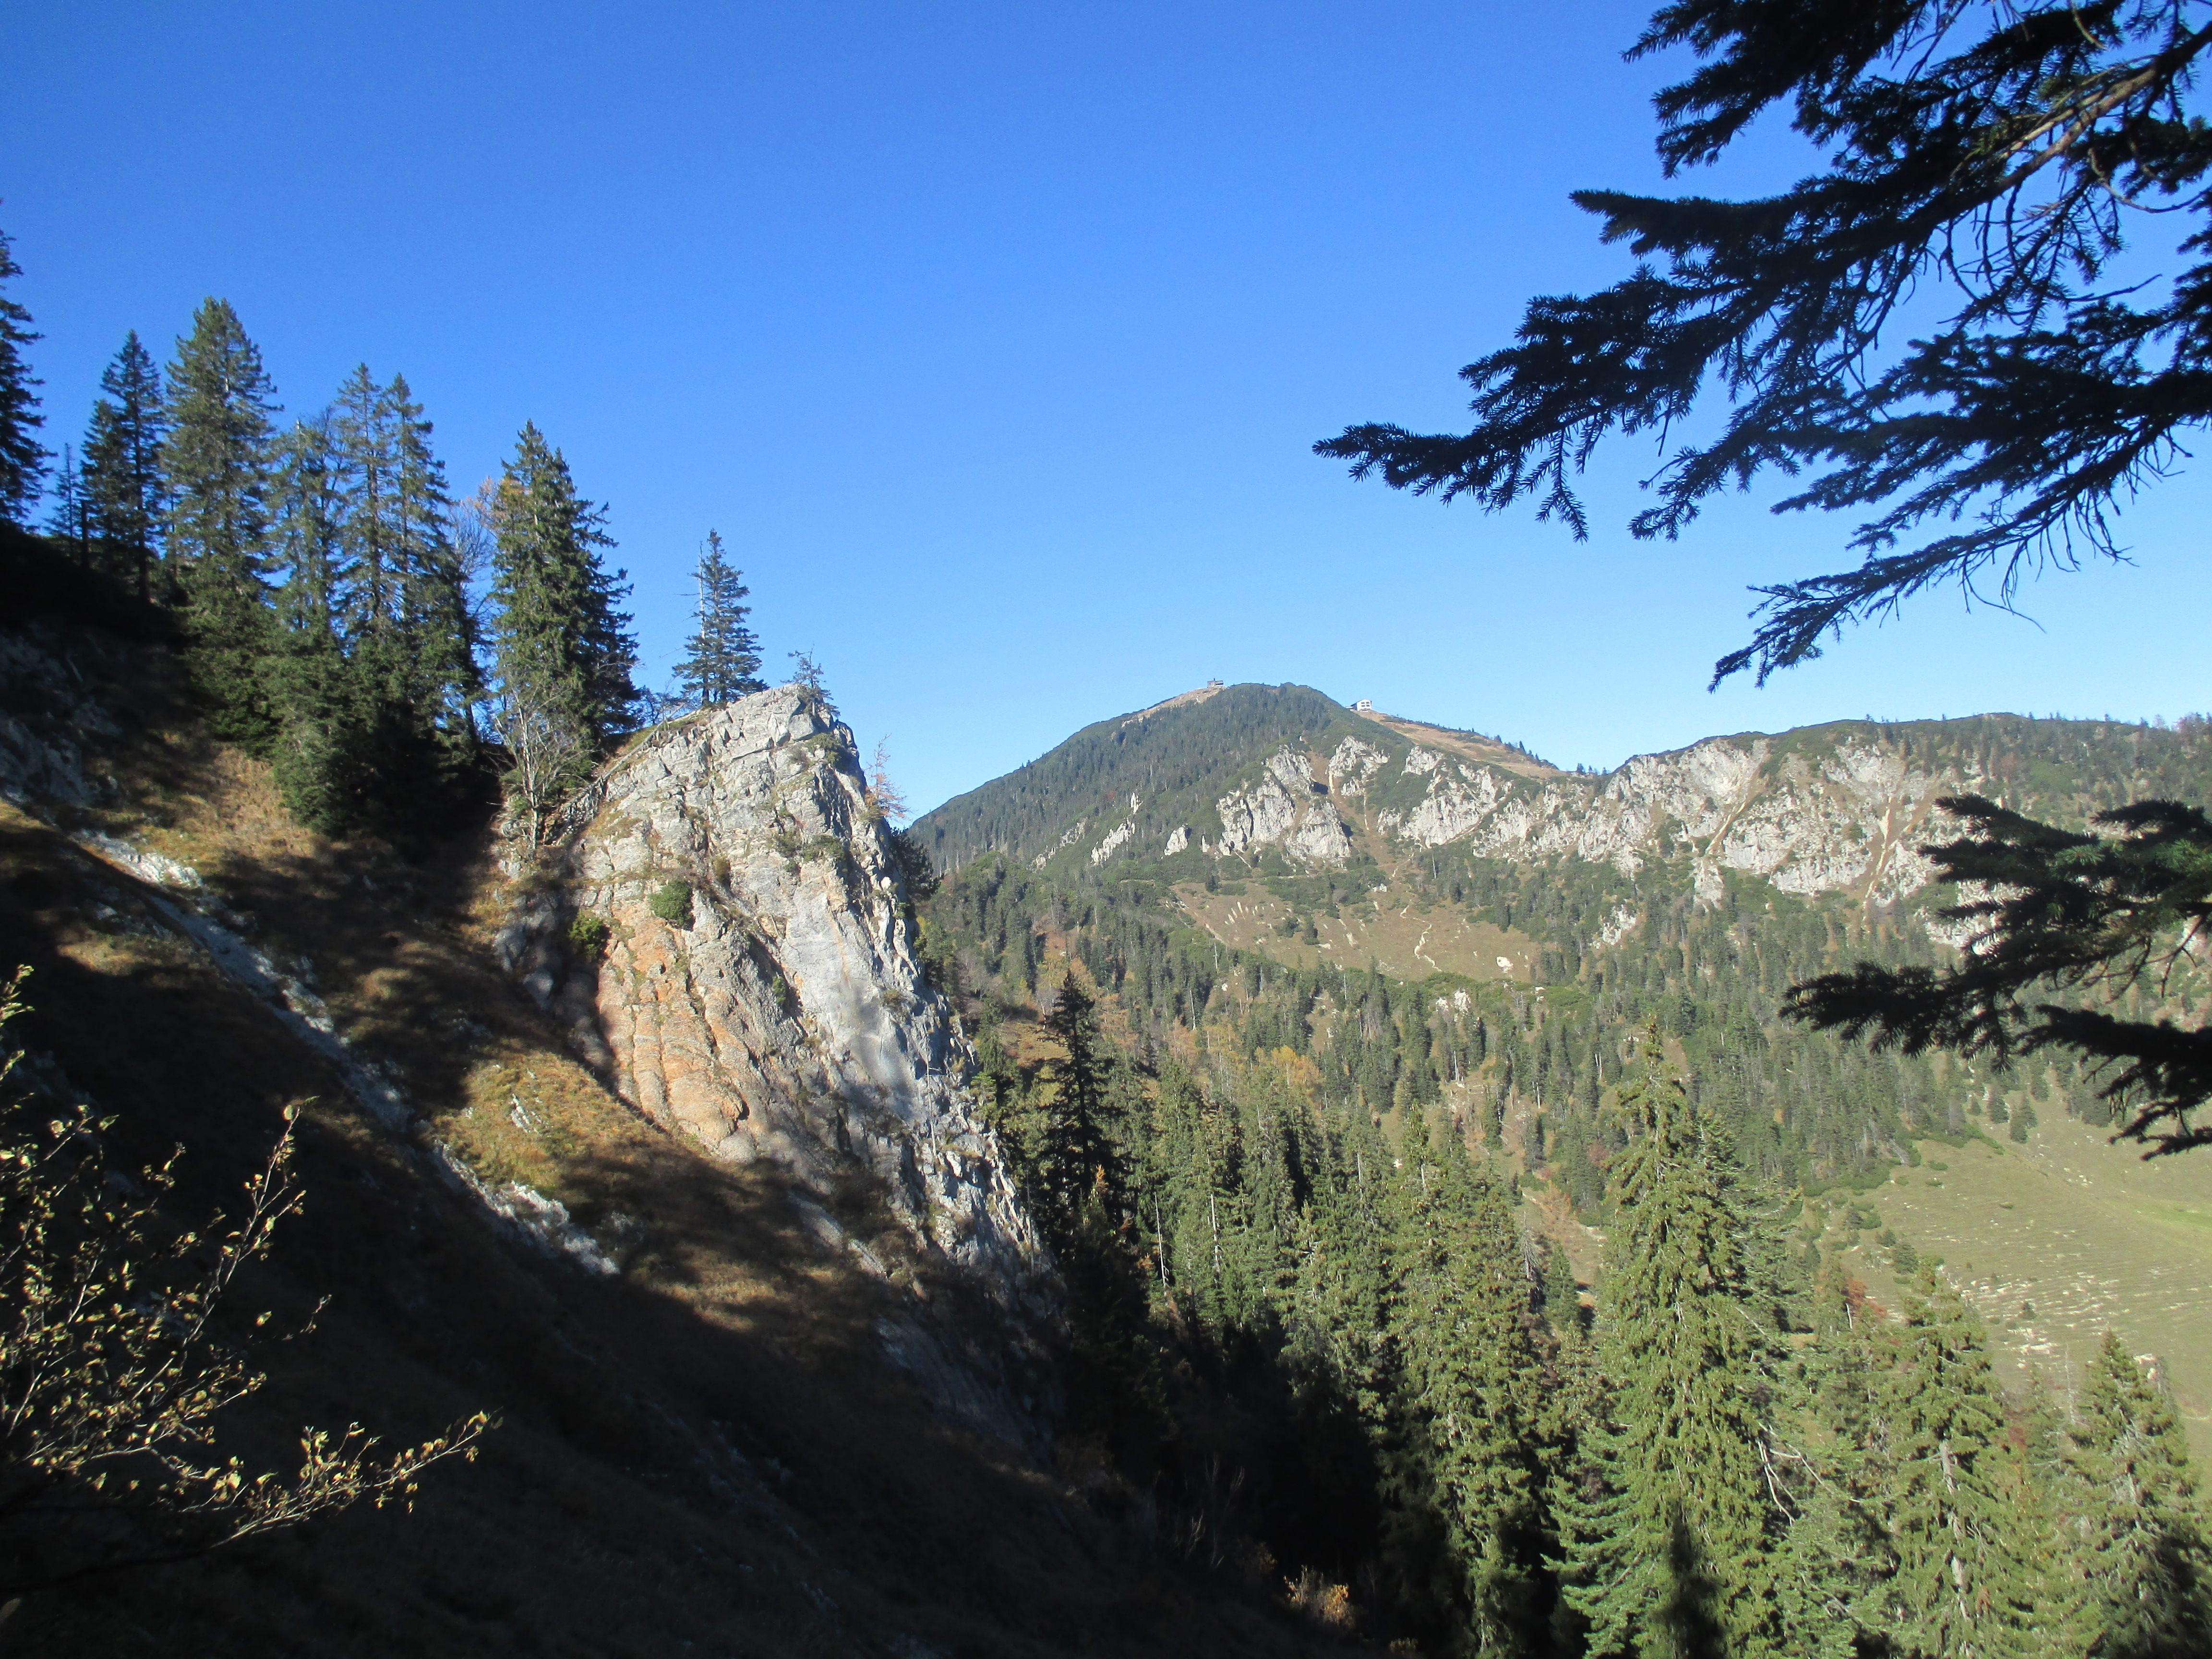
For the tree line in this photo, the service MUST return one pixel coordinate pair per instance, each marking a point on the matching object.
(383, 644)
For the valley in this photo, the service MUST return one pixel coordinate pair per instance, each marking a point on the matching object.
(1518, 924)
(709, 1143)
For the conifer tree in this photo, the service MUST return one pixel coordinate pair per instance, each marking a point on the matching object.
(122, 479)
(216, 460)
(66, 520)
(563, 654)
(374, 675)
(414, 638)
(2135, 1524)
(1838, 1549)
(1075, 1153)
(1968, 1568)
(722, 661)
(1461, 1325)
(2036, 394)
(1669, 1531)
(365, 452)
(437, 623)
(317, 750)
(22, 460)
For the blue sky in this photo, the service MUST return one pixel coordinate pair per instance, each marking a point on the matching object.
(994, 339)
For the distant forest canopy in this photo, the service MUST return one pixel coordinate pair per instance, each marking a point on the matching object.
(1600, 949)
(345, 616)
(1307, 1312)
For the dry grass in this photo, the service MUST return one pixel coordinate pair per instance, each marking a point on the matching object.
(706, 1455)
(1407, 940)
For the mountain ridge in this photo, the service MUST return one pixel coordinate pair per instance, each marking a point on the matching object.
(1250, 767)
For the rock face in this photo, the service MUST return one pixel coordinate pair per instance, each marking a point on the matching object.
(1284, 807)
(1849, 818)
(758, 990)
(1840, 813)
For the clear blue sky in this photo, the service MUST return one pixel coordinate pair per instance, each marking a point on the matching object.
(993, 338)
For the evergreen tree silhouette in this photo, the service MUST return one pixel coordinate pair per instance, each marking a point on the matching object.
(22, 458)
(122, 485)
(216, 460)
(722, 659)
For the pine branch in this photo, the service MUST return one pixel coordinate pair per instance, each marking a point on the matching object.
(2054, 910)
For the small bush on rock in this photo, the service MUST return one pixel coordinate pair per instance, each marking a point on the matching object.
(587, 936)
(672, 903)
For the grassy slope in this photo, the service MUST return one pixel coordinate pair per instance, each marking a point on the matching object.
(1403, 932)
(707, 1454)
(2087, 1234)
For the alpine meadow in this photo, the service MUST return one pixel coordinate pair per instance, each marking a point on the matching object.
(499, 1157)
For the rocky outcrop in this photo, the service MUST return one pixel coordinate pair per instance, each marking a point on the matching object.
(1284, 807)
(47, 714)
(1119, 836)
(1850, 819)
(1354, 765)
(757, 989)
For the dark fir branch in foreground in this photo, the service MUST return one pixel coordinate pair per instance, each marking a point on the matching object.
(2058, 911)
(1999, 153)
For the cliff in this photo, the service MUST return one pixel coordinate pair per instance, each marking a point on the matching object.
(757, 990)
(745, 1407)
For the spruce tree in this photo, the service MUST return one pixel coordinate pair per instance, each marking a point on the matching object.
(1460, 1323)
(66, 520)
(1076, 1154)
(22, 460)
(1669, 1526)
(563, 654)
(122, 478)
(437, 623)
(365, 450)
(722, 660)
(1839, 1549)
(216, 460)
(2136, 1528)
(317, 754)
(1968, 1567)
(374, 676)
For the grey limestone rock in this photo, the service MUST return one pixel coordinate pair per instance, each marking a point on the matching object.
(778, 1011)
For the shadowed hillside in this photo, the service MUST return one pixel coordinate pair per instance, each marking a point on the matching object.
(708, 1448)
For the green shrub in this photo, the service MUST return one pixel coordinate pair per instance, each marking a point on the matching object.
(587, 936)
(672, 903)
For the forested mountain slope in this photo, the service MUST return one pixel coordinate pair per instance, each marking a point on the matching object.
(1434, 916)
(1374, 1189)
